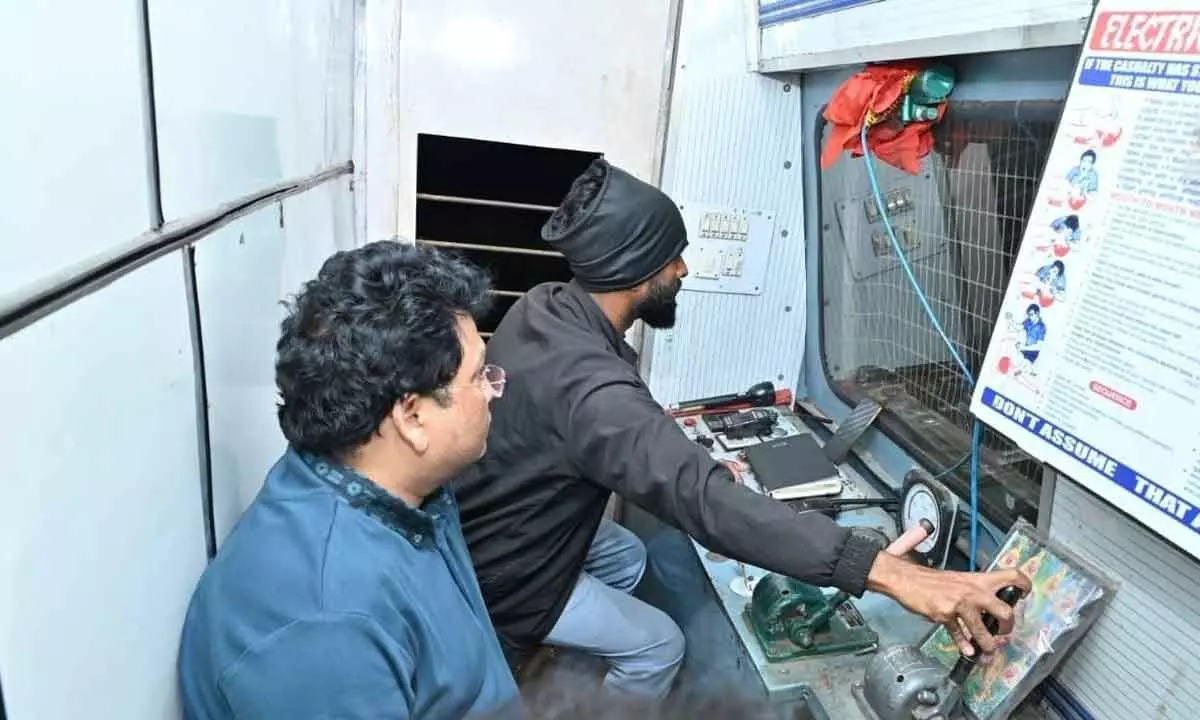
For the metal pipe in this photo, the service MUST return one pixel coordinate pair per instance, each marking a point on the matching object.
(22, 309)
(203, 431)
(489, 248)
(1046, 501)
(485, 203)
(149, 116)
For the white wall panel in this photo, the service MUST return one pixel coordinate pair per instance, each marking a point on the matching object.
(1139, 660)
(580, 75)
(101, 536)
(377, 118)
(243, 272)
(74, 182)
(735, 140)
(896, 29)
(249, 93)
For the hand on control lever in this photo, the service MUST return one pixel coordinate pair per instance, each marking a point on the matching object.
(957, 600)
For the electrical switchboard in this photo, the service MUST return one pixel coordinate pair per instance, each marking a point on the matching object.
(728, 248)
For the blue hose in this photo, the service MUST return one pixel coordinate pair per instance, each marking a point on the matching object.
(977, 427)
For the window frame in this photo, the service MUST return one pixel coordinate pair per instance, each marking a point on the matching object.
(997, 503)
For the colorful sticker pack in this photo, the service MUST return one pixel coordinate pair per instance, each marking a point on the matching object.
(1060, 595)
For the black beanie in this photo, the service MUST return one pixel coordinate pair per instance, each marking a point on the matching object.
(622, 237)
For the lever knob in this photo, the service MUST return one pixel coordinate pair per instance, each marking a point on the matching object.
(958, 675)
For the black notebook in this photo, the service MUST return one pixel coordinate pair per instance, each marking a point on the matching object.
(794, 467)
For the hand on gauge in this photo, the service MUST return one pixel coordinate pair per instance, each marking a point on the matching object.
(910, 539)
(954, 599)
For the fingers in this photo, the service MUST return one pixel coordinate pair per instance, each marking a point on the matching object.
(989, 603)
(1003, 612)
(974, 622)
(907, 542)
(960, 638)
(736, 468)
(1001, 579)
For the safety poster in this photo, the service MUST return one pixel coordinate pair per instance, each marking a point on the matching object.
(1094, 365)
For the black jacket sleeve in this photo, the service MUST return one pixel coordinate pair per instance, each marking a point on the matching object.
(619, 437)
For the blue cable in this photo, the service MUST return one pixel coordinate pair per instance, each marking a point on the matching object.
(977, 427)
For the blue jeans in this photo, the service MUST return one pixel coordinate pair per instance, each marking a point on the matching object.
(642, 646)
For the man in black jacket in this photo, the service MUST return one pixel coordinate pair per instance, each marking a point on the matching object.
(577, 423)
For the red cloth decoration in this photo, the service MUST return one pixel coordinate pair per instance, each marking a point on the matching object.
(871, 94)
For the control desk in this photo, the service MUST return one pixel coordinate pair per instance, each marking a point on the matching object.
(827, 678)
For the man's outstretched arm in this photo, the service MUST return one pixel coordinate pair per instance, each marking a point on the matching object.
(620, 438)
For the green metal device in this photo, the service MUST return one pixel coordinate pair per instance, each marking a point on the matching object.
(793, 620)
(929, 89)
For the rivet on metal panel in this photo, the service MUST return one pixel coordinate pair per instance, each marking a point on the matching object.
(779, 376)
(787, 164)
(825, 227)
(787, 308)
(787, 87)
(783, 233)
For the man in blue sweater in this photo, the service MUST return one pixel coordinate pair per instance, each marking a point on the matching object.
(346, 590)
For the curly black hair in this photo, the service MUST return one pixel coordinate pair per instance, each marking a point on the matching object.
(579, 201)
(376, 324)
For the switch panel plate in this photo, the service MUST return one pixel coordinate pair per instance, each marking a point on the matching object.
(915, 209)
(728, 248)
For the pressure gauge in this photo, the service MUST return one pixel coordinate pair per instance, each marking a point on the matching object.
(927, 499)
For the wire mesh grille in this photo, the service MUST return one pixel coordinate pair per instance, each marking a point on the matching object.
(961, 219)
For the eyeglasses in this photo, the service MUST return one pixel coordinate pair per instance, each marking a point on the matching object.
(495, 377)
(491, 379)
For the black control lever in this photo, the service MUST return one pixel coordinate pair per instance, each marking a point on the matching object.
(833, 506)
(962, 669)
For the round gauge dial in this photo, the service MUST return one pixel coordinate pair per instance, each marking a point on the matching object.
(921, 503)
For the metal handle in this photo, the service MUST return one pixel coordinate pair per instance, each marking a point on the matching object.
(1010, 595)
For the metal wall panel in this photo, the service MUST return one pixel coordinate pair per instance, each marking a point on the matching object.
(921, 28)
(1140, 659)
(71, 136)
(223, 130)
(735, 140)
(243, 271)
(539, 72)
(101, 532)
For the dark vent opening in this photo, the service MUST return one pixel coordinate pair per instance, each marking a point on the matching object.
(488, 201)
